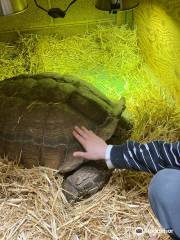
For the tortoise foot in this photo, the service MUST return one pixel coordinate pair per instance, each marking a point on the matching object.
(85, 182)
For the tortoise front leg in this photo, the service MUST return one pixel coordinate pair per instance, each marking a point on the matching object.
(86, 181)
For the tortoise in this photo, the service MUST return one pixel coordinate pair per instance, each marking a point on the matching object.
(37, 115)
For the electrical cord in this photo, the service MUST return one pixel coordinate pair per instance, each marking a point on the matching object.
(37, 5)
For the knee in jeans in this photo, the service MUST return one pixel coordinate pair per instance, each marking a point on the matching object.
(159, 186)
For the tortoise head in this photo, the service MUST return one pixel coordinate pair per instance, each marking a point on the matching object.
(107, 129)
(122, 131)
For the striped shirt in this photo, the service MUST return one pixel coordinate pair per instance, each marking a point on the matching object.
(148, 157)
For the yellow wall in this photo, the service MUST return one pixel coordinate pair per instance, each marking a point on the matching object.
(79, 17)
(158, 26)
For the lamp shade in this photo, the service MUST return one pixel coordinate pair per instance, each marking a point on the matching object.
(9, 7)
(108, 5)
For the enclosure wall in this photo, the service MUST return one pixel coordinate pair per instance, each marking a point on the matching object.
(158, 25)
(79, 17)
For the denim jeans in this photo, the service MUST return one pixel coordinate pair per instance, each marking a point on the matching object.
(164, 197)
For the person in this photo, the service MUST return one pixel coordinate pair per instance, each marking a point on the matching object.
(158, 157)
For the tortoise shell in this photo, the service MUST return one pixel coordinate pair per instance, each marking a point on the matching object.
(38, 113)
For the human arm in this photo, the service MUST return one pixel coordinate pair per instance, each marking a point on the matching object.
(149, 157)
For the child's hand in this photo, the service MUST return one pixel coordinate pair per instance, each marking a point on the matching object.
(95, 146)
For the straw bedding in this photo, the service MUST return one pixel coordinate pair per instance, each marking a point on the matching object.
(33, 207)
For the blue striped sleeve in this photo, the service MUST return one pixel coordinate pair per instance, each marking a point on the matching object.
(148, 157)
